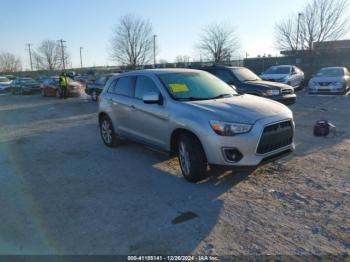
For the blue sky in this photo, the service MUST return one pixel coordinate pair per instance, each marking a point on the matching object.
(177, 23)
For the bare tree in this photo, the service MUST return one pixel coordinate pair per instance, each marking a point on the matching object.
(218, 42)
(9, 62)
(132, 41)
(321, 20)
(48, 56)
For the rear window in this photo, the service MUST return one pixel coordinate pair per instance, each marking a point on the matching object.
(278, 70)
(123, 86)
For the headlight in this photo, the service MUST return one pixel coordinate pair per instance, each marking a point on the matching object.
(229, 129)
(339, 84)
(272, 92)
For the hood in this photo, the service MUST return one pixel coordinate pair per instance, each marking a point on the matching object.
(273, 76)
(5, 83)
(266, 84)
(319, 79)
(242, 109)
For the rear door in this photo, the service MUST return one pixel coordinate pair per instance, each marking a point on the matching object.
(120, 94)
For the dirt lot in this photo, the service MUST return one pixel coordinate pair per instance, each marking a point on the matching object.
(64, 192)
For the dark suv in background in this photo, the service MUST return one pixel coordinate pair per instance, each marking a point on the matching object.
(246, 82)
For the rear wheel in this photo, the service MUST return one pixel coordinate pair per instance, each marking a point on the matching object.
(192, 158)
(109, 137)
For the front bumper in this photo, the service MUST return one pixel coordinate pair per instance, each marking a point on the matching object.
(31, 89)
(288, 99)
(327, 90)
(246, 144)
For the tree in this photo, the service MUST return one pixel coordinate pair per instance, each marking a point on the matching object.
(132, 41)
(218, 42)
(9, 62)
(320, 20)
(48, 56)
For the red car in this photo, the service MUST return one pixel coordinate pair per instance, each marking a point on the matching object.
(51, 87)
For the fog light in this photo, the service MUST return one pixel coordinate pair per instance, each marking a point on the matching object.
(232, 154)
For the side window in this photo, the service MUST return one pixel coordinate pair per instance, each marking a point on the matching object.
(144, 85)
(123, 86)
(225, 76)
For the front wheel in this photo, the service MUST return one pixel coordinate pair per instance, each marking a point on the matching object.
(58, 93)
(192, 158)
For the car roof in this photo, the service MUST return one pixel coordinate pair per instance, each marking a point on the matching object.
(334, 67)
(159, 71)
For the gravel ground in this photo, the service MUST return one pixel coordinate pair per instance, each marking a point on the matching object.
(64, 192)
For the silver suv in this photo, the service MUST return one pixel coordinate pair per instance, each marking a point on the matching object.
(195, 115)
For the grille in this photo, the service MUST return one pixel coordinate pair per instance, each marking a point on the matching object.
(287, 91)
(275, 136)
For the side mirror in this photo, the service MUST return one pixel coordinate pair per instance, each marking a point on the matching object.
(152, 98)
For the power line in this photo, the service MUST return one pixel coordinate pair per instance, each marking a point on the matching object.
(61, 41)
(30, 56)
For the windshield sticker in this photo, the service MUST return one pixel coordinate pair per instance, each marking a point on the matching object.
(178, 88)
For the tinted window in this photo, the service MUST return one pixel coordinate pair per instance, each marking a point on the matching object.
(244, 74)
(225, 76)
(278, 70)
(144, 85)
(123, 86)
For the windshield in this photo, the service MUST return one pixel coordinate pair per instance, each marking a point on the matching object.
(101, 80)
(27, 80)
(4, 79)
(244, 74)
(278, 70)
(195, 86)
(331, 72)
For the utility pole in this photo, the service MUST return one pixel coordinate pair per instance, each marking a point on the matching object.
(30, 56)
(299, 15)
(154, 50)
(81, 57)
(62, 51)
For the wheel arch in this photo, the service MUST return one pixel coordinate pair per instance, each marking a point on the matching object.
(175, 135)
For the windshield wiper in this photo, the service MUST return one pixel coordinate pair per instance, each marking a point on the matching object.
(191, 98)
(222, 96)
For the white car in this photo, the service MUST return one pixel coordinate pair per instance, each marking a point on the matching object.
(286, 74)
(5, 84)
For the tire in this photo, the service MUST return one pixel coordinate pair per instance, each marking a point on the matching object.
(94, 95)
(192, 159)
(109, 137)
(58, 93)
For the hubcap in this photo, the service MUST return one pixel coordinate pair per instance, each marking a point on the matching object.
(184, 157)
(106, 130)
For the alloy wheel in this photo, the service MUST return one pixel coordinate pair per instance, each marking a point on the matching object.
(106, 130)
(184, 158)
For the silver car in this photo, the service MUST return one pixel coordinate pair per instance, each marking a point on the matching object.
(286, 74)
(332, 80)
(195, 115)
